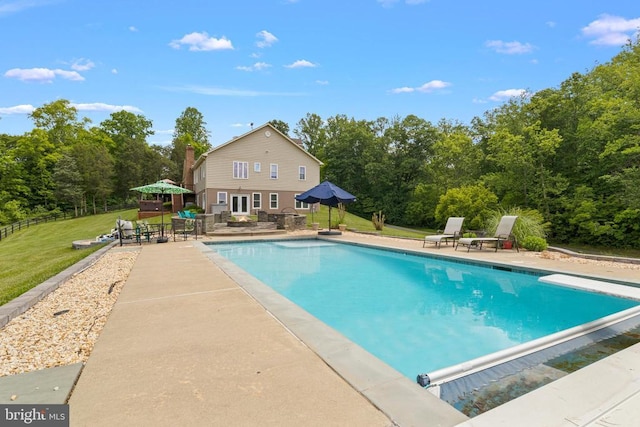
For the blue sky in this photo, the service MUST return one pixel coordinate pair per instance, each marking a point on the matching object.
(251, 61)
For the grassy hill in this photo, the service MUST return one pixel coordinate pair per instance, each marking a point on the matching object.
(34, 254)
(362, 224)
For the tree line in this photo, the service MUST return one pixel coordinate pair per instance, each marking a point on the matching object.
(569, 155)
(65, 163)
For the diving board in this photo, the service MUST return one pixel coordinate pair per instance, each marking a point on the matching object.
(592, 285)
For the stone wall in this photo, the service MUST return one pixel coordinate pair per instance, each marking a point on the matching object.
(283, 221)
(288, 221)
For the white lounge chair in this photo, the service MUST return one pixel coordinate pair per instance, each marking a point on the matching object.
(452, 230)
(503, 233)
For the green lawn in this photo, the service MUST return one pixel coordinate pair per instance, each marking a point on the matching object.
(39, 252)
(361, 224)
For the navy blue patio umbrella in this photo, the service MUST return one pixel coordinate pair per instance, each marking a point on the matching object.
(328, 194)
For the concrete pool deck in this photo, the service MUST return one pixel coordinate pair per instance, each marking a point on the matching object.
(186, 345)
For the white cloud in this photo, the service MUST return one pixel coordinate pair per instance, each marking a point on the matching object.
(114, 71)
(425, 88)
(69, 75)
(42, 75)
(201, 42)
(99, 106)
(503, 95)
(510, 48)
(216, 91)
(301, 63)
(133, 29)
(433, 85)
(322, 82)
(390, 3)
(404, 89)
(164, 132)
(258, 66)
(17, 109)
(95, 106)
(266, 39)
(82, 64)
(9, 7)
(610, 30)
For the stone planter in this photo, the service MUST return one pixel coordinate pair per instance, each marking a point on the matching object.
(315, 225)
(342, 227)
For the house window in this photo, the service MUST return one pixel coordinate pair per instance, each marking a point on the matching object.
(273, 200)
(274, 171)
(257, 200)
(202, 172)
(240, 170)
(302, 173)
(256, 167)
(301, 205)
(222, 197)
(204, 200)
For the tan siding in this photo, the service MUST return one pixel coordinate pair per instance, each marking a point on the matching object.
(258, 148)
(252, 148)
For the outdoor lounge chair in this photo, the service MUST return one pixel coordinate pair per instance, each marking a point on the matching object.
(503, 233)
(452, 230)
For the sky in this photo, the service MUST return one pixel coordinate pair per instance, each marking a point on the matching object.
(251, 61)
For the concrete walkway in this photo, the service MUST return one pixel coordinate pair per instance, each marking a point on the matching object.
(186, 346)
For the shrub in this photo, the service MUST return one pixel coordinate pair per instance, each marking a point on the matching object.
(472, 202)
(530, 223)
(533, 243)
(469, 235)
(342, 212)
(378, 220)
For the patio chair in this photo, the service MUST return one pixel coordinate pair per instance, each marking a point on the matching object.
(144, 231)
(452, 231)
(184, 227)
(502, 234)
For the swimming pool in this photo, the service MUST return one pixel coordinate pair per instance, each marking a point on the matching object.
(418, 314)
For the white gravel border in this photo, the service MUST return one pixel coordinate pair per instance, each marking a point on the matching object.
(62, 328)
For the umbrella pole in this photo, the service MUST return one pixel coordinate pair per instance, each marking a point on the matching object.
(161, 239)
(329, 217)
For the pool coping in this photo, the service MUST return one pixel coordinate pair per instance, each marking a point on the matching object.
(402, 400)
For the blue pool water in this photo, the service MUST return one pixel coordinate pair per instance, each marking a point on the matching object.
(418, 314)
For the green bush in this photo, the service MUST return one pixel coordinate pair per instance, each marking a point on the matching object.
(469, 235)
(534, 243)
(530, 223)
(472, 202)
(378, 220)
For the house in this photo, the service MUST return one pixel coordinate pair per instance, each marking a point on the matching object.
(262, 170)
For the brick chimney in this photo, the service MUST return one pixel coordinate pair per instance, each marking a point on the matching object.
(187, 173)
